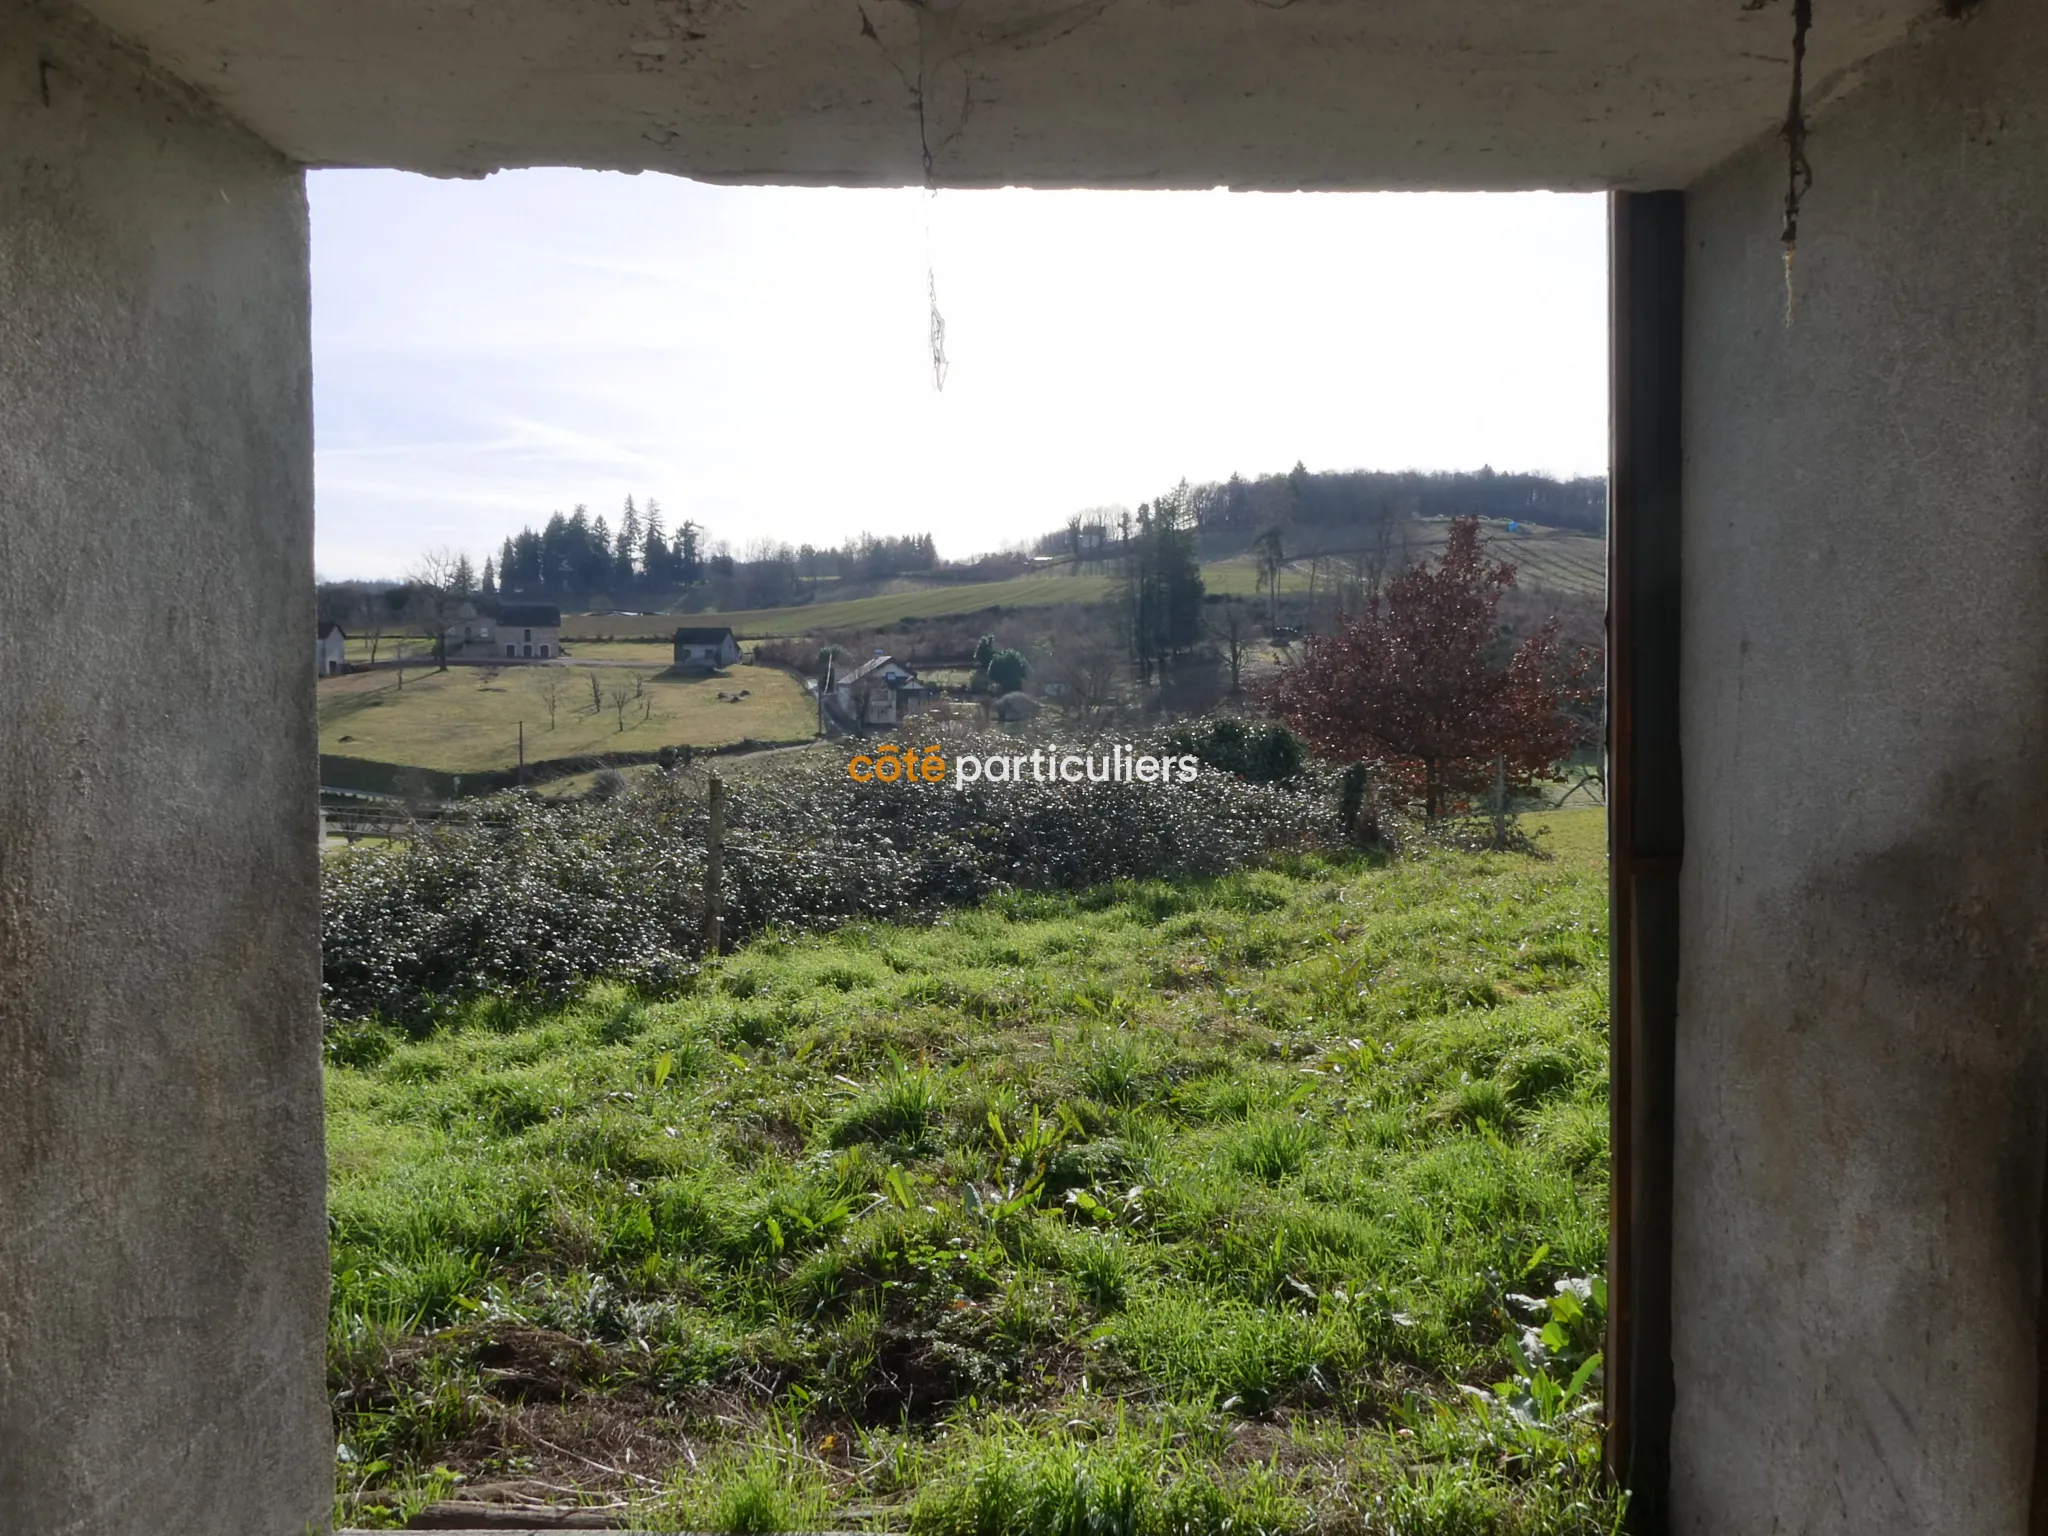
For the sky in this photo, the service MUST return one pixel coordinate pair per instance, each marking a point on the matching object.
(758, 358)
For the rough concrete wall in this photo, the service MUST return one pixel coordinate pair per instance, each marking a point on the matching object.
(1144, 93)
(162, 1241)
(1865, 898)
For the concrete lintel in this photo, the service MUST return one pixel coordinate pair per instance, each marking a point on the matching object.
(1274, 94)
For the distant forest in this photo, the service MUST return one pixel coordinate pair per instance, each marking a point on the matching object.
(1328, 511)
(580, 560)
(576, 559)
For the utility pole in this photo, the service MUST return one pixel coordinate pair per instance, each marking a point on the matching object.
(714, 872)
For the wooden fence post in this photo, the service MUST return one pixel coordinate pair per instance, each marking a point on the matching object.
(714, 872)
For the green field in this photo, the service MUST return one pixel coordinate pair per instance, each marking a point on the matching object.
(467, 719)
(1547, 558)
(1170, 1210)
(1544, 558)
(852, 613)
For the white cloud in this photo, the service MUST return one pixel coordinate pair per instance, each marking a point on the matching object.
(487, 352)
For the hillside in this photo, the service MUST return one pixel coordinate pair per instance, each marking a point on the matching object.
(936, 601)
(1547, 559)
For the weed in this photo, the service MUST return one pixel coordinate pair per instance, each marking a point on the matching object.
(902, 1111)
(766, 1491)
(1271, 1148)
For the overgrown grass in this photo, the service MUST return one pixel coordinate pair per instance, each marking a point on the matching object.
(1160, 1208)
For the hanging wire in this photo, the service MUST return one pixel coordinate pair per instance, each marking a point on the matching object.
(931, 196)
(916, 87)
(931, 284)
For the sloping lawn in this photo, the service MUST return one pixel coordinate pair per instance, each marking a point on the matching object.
(940, 600)
(1156, 1209)
(468, 719)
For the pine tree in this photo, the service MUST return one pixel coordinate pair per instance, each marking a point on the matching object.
(554, 557)
(490, 586)
(594, 559)
(626, 550)
(1161, 582)
(688, 558)
(654, 558)
(508, 569)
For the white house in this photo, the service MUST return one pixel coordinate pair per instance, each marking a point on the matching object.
(706, 647)
(880, 691)
(330, 651)
(529, 631)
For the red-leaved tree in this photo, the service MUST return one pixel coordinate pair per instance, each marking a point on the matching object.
(1413, 683)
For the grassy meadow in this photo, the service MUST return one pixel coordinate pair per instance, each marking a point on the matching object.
(877, 612)
(1270, 1203)
(467, 719)
(1550, 558)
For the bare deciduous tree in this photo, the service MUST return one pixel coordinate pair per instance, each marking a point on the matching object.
(1272, 558)
(622, 695)
(549, 687)
(1234, 645)
(436, 580)
(1386, 549)
(1094, 670)
(369, 623)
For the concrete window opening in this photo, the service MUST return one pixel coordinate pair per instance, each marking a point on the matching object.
(1328, 563)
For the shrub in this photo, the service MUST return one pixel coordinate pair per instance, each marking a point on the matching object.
(1007, 670)
(542, 897)
(1262, 754)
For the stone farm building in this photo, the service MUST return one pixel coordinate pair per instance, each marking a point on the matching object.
(468, 633)
(528, 632)
(706, 647)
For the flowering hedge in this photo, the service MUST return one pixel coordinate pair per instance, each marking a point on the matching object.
(543, 896)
